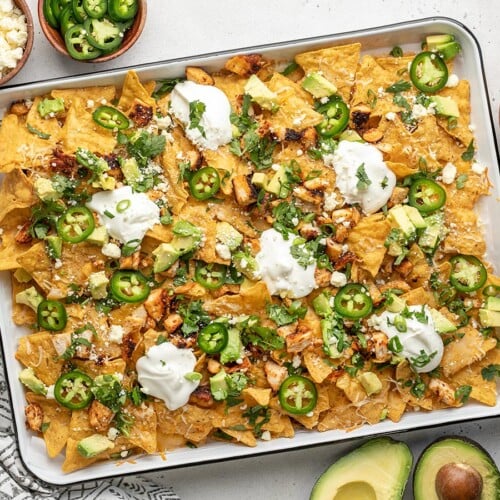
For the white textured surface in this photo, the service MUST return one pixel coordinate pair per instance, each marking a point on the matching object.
(188, 27)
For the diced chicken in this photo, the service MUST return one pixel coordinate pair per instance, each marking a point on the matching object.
(333, 249)
(309, 232)
(100, 416)
(198, 75)
(19, 108)
(156, 303)
(275, 374)
(34, 417)
(322, 277)
(131, 261)
(405, 268)
(245, 65)
(309, 138)
(316, 184)
(213, 366)
(398, 196)
(202, 397)
(23, 236)
(443, 391)
(299, 340)
(172, 322)
(314, 197)
(378, 346)
(243, 191)
(141, 114)
(348, 217)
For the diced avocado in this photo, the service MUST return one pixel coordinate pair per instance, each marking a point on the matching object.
(98, 285)
(45, 190)
(449, 50)
(433, 41)
(32, 382)
(218, 385)
(318, 86)
(432, 471)
(105, 181)
(246, 265)
(395, 303)
(22, 276)
(489, 318)
(350, 135)
(277, 183)
(429, 238)
(228, 235)
(165, 255)
(321, 305)
(187, 237)
(414, 215)
(234, 348)
(99, 236)
(492, 303)
(261, 94)
(29, 297)
(389, 464)
(131, 172)
(260, 179)
(445, 106)
(398, 216)
(370, 382)
(50, 107)
(54, 246)
(94, 445)
(441, 322)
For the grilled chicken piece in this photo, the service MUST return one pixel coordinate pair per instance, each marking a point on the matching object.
(141, 114)
(23, 236)
(202, 397)
(198, 75)
(443, 391)
(275, 374)
(245, 65)
(244, 191)
(100, 416)
(34, 417)
(172, 322)
(156, 304)
(378, 346)
(19, 108)
(299, 340)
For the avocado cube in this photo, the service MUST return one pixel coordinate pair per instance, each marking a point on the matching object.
(29, 297)
(493, 303)
(54, 246)
(22, 276)
(94, 445)
(228, 235)
(28, 378)
(441, 322)
(218, 386)
(260, 179)
(261, 94)
(434, 41)
(99, 236)
(131, 172)
(321, 305)
(234, 348)
(415, 217)
(489, 318)
(350, 135)
(246, 265)
(394, 303)
(45, 190)
(370, 382)
(318, 86)
(165, 255)
(50, 107)
(399, 217)
(445, 106)
(278, 183)
(98, 285)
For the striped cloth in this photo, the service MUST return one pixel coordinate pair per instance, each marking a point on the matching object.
(16, 483)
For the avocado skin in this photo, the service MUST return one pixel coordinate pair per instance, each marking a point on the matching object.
(457, 449)
(388, 462)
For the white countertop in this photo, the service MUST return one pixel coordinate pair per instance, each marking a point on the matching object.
(189, 27)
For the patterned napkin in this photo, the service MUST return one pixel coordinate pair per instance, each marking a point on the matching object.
(16, 483)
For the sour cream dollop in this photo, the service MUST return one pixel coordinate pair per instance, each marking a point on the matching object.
(281, 272)
(161, 373)
(214, 126)
(422, 345)
(362, 175)
(126, 215)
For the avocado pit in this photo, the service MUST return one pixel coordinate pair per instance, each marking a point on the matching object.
(458, 481)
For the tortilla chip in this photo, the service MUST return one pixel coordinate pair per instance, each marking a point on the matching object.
(465, 234)
(337, 64)
(133, 89)
(143, 431)
(16, 191)
(56, 420)
(91, 96)
(367, 239)
(10, 250)
(317, 365)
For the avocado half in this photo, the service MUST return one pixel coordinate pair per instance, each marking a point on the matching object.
(377, 470)
(456, 450)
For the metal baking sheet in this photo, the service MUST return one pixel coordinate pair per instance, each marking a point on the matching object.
(378, 41)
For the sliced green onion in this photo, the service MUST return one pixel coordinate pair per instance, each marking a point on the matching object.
(123, 205)
(107, 213)
(130, 247)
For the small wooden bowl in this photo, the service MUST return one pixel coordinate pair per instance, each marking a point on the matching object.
(131, 36)
(23, 6)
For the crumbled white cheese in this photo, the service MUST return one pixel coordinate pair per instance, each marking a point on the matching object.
(452, 80)
(391, 116)
(111, 250)
(338, 279)
(223, 251)
(50, 392)
(420, 111)
(477, 168)
(113, 433)
(330, 201)
(265, 436)
(449, 173)
(13, 36)
(116, 334)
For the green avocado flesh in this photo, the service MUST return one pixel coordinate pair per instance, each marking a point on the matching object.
(377, 470)
(454, 450)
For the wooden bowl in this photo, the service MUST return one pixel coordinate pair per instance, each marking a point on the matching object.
(131, 36)
(22, 5)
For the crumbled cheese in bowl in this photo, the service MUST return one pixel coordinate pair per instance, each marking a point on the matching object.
(13, 36)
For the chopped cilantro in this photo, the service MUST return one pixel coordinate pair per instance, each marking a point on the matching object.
(400, 86)
(193, 315)
(490, 372)
(363, 179)
(196, 111)
(469, 153)
(462, 393)
(283, 315)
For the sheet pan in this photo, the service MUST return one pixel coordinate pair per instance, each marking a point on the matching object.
(374, 41)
